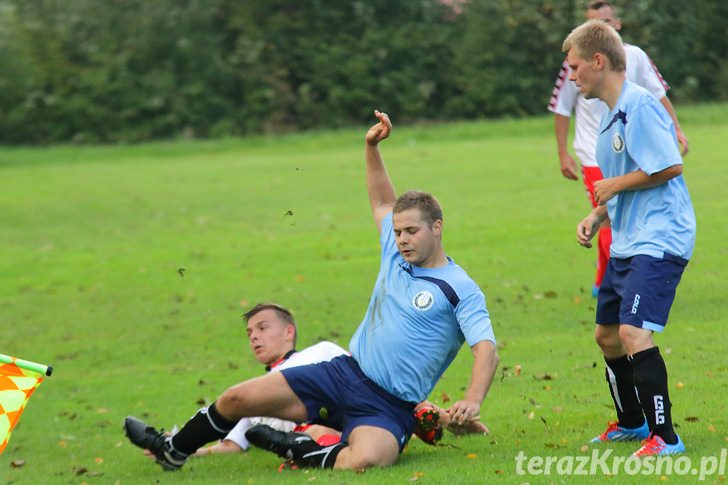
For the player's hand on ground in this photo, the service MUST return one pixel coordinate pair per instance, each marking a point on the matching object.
(586, 230)
(568, 166)
(463, 411)
(604, 190)
(380, 131)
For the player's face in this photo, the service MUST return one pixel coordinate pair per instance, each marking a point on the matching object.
(270, 337)
(583, 73)
(417, 241)
(606, 15)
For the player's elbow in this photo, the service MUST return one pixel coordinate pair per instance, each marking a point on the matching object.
(672, 172)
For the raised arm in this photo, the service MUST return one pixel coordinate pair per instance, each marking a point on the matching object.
(379, 186)
(485, 362)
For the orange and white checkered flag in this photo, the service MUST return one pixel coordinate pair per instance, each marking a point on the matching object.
(18, 379)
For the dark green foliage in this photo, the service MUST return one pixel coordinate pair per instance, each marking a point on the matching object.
(130, 70)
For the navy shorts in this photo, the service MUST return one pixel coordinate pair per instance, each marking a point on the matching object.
(338, 394)
(639, 291)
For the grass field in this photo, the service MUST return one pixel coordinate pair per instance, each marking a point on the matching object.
(92, 240)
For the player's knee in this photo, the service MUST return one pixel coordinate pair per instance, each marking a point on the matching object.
(232, 402)
(606, 339)
(360, 459)
(635, 339)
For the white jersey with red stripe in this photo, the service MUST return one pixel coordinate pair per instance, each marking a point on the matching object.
(566, 98)
(320, 352)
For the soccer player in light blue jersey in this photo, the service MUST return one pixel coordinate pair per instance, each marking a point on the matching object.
(644, 198)
(423, 308)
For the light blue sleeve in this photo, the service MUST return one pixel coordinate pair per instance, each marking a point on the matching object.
(473, 318)
(650, 138)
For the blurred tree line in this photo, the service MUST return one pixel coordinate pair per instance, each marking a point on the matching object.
(130, 70)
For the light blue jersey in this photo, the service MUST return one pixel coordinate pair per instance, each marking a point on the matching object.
(638, 134)
(417, 320)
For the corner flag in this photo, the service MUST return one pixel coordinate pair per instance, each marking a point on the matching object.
(18, 379)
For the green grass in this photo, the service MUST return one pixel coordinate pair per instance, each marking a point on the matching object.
(91, 240)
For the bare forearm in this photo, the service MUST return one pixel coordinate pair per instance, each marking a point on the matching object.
(379, 185)
(640, 180)
(671, 111)
(561, 129)
(485, 362)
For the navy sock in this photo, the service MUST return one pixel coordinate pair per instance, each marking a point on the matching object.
(205, 426)
(650, 379)
(620, 378)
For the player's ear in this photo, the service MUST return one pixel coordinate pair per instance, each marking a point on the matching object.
(437, 228)
(290, 332)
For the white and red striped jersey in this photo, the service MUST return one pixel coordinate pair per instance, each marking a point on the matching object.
(320, 352)
(566, 98)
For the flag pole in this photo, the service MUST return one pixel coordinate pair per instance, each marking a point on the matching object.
(27, 365)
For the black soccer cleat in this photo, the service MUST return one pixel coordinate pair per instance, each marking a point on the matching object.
(298, 447)
(280, 443)
(148, 438)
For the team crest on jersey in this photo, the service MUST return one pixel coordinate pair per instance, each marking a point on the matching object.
(423, 300)
(617, 143)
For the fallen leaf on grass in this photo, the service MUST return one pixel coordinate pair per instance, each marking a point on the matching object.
(711, 428)
(544, 377)
(517, 370)
(472, 456)
(680, 385)
(17, 463)
(444, 397)
(98, 460)
(531, 415)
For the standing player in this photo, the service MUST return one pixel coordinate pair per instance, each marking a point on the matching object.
(653, 227)
(424, 306)
(566, 98)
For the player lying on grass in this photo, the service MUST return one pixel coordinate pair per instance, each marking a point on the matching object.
(272, 335)
(424, 306)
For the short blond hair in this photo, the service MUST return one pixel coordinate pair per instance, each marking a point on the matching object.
(596, 36)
